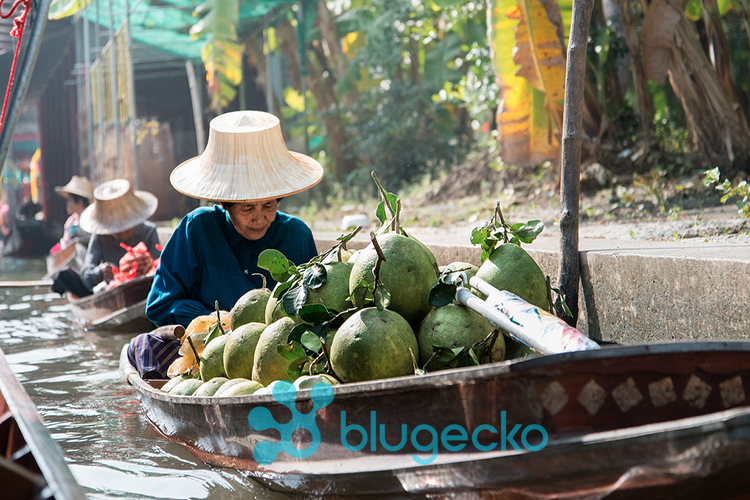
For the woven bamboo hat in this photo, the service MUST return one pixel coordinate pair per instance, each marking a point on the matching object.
(245, 160)
(117, 208)
(80, 186)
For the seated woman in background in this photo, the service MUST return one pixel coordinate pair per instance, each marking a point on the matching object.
(78, 193)
(118, 215)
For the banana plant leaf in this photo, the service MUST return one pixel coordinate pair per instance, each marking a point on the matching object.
(222, 52)
(529, 62)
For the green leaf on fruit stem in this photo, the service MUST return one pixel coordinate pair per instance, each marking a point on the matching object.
(315, 314)
(314, 276)
(213, 332)
(380, 212)
(296, 366)
(361, 294)
(311, 341)
(292, 351)
(442, 294)
(528, 232)
(294, 300)
(283, 287)
(382, 297)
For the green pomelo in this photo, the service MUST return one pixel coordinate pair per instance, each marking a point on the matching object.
(209, 388)
(212, 359)
(274, 309)
(239, 351)
(269, 365)
(186, 387)
(174, 381)
(373, 344)
(429, 254)
(510, 268)
(353, 257)
(462, 267)
(269, 388)
(243, 389)
(250, 308)
(407, 273)
(334, 292)
(454, 326)
(310, 381)
(227, 385)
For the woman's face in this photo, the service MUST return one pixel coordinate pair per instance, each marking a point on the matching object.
(252, 220)
(74, 207)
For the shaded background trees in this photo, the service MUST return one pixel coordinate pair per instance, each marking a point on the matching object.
(412, 88)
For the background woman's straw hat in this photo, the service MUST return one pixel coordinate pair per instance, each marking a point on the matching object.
(80, 186)
(245, 160)
(117, 208)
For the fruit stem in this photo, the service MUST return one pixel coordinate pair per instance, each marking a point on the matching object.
(262, 276)
(434, 355)
(397, 221)
(381, 258)
(503, 224)
(549, 295)
(383, 193)
(195, 351)
(218, 318)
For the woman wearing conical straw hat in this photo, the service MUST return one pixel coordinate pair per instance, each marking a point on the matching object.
(118, 215)
(213, 253)
(78, 194)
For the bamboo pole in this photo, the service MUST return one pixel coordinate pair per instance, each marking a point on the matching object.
(575, 76)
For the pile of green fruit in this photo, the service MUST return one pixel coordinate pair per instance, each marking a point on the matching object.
(384, 311)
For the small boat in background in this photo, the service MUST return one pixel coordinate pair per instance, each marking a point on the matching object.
(32, 466)
(121, 308)
(642, 422)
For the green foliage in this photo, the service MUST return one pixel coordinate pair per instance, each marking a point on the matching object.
(741, 191)
(398, 131)
(497, 230)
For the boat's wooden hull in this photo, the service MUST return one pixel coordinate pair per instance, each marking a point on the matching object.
(122, 308)
(636, 420)
(31, 463)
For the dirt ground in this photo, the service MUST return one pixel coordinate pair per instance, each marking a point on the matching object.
(649, 207)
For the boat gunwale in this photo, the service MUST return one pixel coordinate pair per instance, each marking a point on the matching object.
(46, 452)
(82, 302)
(453, 376)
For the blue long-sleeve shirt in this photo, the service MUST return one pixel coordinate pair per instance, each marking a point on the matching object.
(206, 259)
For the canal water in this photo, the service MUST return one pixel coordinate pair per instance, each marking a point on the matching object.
(72, 376)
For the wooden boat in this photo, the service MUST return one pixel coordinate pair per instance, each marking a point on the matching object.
(31, 464)
(64, 258)
(122, 308)
(650, 421)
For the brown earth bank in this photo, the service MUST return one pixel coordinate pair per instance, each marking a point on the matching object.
(649, 206)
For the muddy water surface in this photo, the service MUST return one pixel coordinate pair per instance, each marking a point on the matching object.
(72, 377)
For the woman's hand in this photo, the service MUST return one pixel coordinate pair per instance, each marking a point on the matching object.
(105, 270)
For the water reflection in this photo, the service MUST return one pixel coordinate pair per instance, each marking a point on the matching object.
(72, 376)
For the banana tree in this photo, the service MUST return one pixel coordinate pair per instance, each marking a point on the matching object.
(222, 52)
(529, 62)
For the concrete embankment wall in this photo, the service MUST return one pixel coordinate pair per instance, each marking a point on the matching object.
(643, 292)
(636, 291)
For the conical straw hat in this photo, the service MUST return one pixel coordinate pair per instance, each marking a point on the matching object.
(80, 186)
(245, 160)
(117, 208)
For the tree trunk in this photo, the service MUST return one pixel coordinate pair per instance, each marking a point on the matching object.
(325, 96)
(717, 127)
(642, 96)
